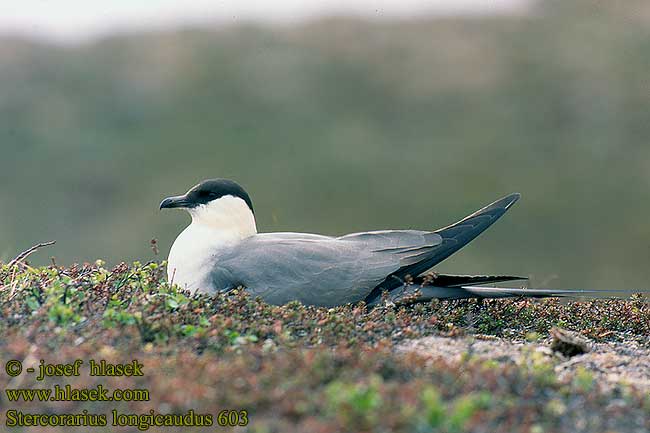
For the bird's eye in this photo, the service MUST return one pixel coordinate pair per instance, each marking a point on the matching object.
(208, 194)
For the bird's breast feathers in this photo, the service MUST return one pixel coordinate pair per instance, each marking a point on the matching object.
(189, 263)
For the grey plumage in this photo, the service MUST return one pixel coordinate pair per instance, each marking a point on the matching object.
(329, 271)
(318, 270)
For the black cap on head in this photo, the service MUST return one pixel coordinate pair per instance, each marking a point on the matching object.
(207, 191)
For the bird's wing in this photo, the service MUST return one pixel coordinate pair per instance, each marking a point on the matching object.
(459, 234)
(326, 271)
(454, 237)
(407, 244)
(317, 270)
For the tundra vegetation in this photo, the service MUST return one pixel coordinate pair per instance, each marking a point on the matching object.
(299, 368)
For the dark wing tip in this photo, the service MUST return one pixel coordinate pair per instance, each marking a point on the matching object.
(501, 205)
(508, 200)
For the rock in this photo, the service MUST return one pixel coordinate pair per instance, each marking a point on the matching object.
(568, 343)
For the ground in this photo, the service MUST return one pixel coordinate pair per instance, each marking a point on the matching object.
(446, 366)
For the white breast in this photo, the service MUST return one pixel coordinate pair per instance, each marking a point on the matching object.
(188, 264)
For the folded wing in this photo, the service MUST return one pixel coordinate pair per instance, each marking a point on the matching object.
(328, 271)
(317, 270)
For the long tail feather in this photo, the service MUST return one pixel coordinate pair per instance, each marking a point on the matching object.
(413, 293)
(448, 280)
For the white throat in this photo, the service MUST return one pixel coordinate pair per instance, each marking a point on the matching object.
(228, 215)
(218, 224)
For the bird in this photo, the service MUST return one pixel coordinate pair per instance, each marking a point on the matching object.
(221, 250)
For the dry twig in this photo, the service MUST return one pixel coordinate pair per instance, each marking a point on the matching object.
(22, 256)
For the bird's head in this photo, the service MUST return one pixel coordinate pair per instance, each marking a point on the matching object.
(219, 203)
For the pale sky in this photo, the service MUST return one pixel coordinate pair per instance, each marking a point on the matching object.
(80, 20)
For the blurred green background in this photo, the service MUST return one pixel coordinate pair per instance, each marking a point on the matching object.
(341, 125)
